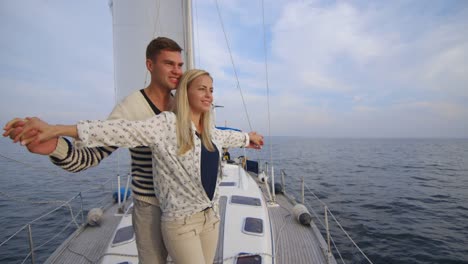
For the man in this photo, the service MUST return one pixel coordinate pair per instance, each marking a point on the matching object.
(164, 62)
(226, 155)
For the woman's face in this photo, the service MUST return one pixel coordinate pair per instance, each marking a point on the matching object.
(200, 94)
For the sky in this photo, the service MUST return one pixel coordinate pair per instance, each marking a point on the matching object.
(326, 69)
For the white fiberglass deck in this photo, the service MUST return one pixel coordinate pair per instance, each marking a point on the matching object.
(285, 239)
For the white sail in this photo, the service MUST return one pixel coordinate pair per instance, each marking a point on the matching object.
(135, 24)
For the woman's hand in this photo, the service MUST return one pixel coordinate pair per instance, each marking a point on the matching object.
(256, 140)
(16, 126)
(33, 130)
(36, 131)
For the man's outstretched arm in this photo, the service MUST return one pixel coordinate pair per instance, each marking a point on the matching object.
(59, 149)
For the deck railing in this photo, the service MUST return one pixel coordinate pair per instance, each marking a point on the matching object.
(327, 213)
(326, 224)
(76, 219)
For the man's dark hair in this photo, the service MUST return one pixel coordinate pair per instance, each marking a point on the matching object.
(159, 44)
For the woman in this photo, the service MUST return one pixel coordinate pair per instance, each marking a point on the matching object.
(186, 154)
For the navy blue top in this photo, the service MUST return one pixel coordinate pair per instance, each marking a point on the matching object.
(209, 169)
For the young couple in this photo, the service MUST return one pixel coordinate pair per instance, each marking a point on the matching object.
(175, 204)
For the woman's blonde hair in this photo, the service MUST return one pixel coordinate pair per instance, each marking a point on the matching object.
(184, 121)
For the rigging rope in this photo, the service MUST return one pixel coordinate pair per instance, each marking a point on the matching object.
(267, 84)
(256, 153)
(155, 23)
(233, 66)
(198, 37)
(29, 165)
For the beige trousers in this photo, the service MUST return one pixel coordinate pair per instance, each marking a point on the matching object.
(147, 227)
(192, 240)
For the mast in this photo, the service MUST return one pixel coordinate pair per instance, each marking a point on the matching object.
(189, 35)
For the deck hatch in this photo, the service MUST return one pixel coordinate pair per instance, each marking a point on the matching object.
(123, 235)
(253, 226)
(227, 184)
(251, 259)
(245, 200)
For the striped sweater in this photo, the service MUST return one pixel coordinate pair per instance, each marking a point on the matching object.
(136, 106)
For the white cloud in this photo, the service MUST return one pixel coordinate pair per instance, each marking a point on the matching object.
(335, 68)
(315, 35)
(438, 109)
(56, 60)
(321, 81)
(448, 70)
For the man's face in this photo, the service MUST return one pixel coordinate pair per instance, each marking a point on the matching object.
(167, 69)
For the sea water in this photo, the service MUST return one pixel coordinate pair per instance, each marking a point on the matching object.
(400, 200)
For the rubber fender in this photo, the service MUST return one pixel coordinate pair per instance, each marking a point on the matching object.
(261, 176)
(302, 214)
(94, 217)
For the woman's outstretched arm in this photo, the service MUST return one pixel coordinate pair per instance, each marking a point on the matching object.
(119, 132)
(36, 130)
(230, 138)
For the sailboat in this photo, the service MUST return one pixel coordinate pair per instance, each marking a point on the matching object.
(260, 222)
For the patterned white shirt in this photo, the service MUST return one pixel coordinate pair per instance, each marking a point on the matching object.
(177, 180)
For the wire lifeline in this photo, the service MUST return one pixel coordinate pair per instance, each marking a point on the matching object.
(338, 223)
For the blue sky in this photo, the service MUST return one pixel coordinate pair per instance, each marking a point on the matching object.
(335, 68)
